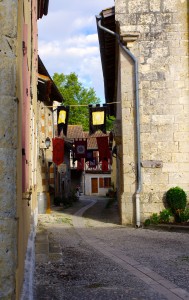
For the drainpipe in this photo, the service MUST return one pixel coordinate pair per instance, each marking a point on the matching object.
(126, 50)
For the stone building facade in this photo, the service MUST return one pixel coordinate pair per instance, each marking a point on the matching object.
(153, 142)
(18, 142)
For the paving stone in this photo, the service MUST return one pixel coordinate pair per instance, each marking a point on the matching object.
(101, 259)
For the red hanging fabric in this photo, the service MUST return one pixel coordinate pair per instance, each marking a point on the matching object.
(103, 148)
(58, 151)
(80, 149)
(104, 165)
(80, 164)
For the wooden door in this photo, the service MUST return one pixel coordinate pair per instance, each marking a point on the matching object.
(94, 185)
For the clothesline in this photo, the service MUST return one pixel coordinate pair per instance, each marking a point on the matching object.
(77, 105)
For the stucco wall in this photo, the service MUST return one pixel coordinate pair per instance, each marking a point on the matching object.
(160, 31)
(88, 187)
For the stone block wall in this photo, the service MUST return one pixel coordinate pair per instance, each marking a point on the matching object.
(156, 32)
(8, 148)
(45, 129)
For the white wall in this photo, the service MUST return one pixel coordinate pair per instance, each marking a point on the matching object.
(88, 187)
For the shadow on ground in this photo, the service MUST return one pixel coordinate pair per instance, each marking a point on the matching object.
(105, 209)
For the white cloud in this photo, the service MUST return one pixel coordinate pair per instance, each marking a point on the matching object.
(83, 40)
(81, 52)
(80, 23)
(68, 40)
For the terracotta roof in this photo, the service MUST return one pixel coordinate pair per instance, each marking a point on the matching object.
(91, 139)
(75, 132)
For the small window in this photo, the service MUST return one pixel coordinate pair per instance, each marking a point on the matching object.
(107, 182)
(101, 182)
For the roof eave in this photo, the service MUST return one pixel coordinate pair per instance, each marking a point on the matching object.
(42, 8)
(107, 45)
(55, 95)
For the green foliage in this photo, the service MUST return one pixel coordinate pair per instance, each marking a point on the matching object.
(162, 217)
(76, 95)
(154, 219)
(184, 215)
(165, 215)
(176, 199)
(147, 222)
(110, 123)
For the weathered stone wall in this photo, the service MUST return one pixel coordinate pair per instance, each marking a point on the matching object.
(45, 129)
(156, 32)
(8, 144)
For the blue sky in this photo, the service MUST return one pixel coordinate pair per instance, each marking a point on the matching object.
(68, 40)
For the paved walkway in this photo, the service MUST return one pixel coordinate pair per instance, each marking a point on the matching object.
(98, 259)
(157, 282)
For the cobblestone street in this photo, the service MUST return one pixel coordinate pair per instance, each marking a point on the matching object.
(83, 253)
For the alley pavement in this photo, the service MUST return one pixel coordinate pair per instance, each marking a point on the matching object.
(83, 253)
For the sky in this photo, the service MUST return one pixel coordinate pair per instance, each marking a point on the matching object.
(68, 40)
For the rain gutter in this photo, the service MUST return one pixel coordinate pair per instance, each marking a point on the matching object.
(134, 59)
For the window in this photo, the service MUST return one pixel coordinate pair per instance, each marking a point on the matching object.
(104, 182)
(107, 182)
(101, 182)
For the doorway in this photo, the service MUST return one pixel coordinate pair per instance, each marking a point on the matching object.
(94, 185)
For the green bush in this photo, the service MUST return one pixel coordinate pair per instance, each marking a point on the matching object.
(162, 217)
(147, 222)
(165, 215)
(154, 219)
(184, 215)
(181, 215)
(176, 199)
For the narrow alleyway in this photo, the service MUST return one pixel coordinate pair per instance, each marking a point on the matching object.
(93, 257)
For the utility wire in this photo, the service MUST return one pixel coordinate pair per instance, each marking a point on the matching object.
(77, 105)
